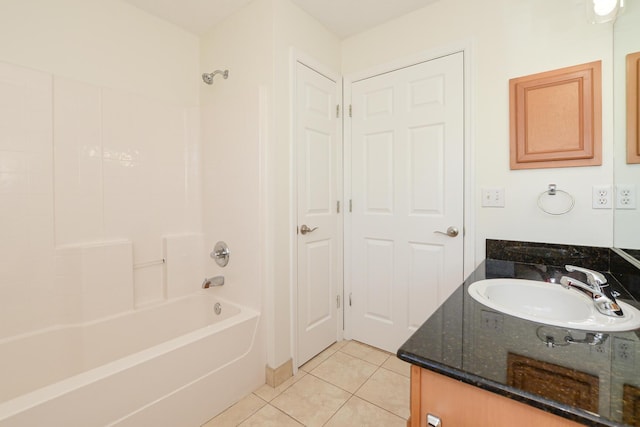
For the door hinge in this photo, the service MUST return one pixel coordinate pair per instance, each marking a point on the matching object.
(338, 206)
(350, 299)
(338, 111)
(338, 301)
(350, 205)
(350, 111)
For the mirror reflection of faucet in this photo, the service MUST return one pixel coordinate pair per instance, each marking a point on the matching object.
(596, 288)
(209, 282)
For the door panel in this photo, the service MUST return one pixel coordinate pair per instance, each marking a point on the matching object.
(379, 273)
(319, 298)
(378, 181)
(318, 251)
(407, 139)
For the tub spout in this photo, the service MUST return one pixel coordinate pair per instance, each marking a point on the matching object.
(212, 281)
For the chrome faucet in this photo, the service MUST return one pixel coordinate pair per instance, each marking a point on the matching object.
(596, 288)
(212, 281)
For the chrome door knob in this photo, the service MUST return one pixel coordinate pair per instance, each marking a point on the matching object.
(304, 229)
(451, 232)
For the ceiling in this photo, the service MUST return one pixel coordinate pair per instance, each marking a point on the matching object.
(342, 17)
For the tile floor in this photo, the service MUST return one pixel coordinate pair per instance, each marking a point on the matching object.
(348, 384)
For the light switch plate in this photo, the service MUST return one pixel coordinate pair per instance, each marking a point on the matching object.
(493, 197)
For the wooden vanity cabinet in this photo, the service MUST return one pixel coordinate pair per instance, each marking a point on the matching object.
(458, 404)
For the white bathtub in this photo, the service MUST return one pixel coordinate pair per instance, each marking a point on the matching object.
(175, 364)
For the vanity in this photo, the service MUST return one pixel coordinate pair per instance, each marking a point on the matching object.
(476, 366)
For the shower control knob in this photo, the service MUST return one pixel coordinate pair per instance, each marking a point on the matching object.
(304, 229)
(221, 254)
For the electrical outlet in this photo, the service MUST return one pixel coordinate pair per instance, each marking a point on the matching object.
(624, 350)
(626, 196)
(602, 197)
(493, 197)
(492, 321)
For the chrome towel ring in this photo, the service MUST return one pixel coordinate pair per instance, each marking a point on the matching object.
(555, 202)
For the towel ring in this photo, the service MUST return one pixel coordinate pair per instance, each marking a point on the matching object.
(553, 192)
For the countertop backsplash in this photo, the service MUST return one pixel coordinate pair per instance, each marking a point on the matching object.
(555, 255)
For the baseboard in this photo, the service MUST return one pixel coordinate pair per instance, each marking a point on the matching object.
(276, 376)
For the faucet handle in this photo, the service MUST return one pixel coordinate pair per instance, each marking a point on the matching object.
(593, 277)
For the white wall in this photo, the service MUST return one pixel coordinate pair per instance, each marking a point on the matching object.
(105, 43)
(295, 33)
(98, 161)
(509, 39)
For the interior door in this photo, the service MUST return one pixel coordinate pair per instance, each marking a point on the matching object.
(319, 248)
(407, 189)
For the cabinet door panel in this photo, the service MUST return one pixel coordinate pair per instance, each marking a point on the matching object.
(463, 405)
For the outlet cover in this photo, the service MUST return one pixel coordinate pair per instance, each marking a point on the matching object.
(493, 197)
(626, 196)
(602, 197)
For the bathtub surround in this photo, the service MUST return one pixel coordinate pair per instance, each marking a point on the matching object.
(85, 183)
(181, 273)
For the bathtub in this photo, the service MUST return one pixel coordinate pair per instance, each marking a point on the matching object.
(174, 364)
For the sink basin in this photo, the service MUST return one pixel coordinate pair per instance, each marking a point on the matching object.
(551, 304)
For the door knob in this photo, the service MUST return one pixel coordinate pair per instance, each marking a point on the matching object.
(451, 232)
(304, 229)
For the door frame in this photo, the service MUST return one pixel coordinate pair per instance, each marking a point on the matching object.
(296, 56)
(469, 154)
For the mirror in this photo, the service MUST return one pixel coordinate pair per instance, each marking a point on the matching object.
(626, 39)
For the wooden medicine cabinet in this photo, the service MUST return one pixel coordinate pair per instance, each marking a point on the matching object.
(556, 118)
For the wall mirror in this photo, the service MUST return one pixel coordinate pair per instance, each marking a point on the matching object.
(626, 39)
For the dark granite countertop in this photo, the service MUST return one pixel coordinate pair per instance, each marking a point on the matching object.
(469, 342)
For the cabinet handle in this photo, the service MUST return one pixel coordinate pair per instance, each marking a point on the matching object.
(433, 421)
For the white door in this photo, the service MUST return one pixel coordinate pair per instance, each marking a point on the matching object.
(317, 146)
(407, 189)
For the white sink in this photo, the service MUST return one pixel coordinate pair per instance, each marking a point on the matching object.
(551, 304)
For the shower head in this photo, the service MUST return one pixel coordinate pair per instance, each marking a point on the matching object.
(208, 77)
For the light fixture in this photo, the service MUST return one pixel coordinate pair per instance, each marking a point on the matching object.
(601, 11)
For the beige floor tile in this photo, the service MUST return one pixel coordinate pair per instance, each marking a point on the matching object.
(237, 413)
(357, 412)
(322, 356)
(365, 352)
(387, 390)
(344, 371)
(398, 366)
(269, 416)
(311, 401)
(268, 393)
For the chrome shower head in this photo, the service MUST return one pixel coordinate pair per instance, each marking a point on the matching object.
(208, 77)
